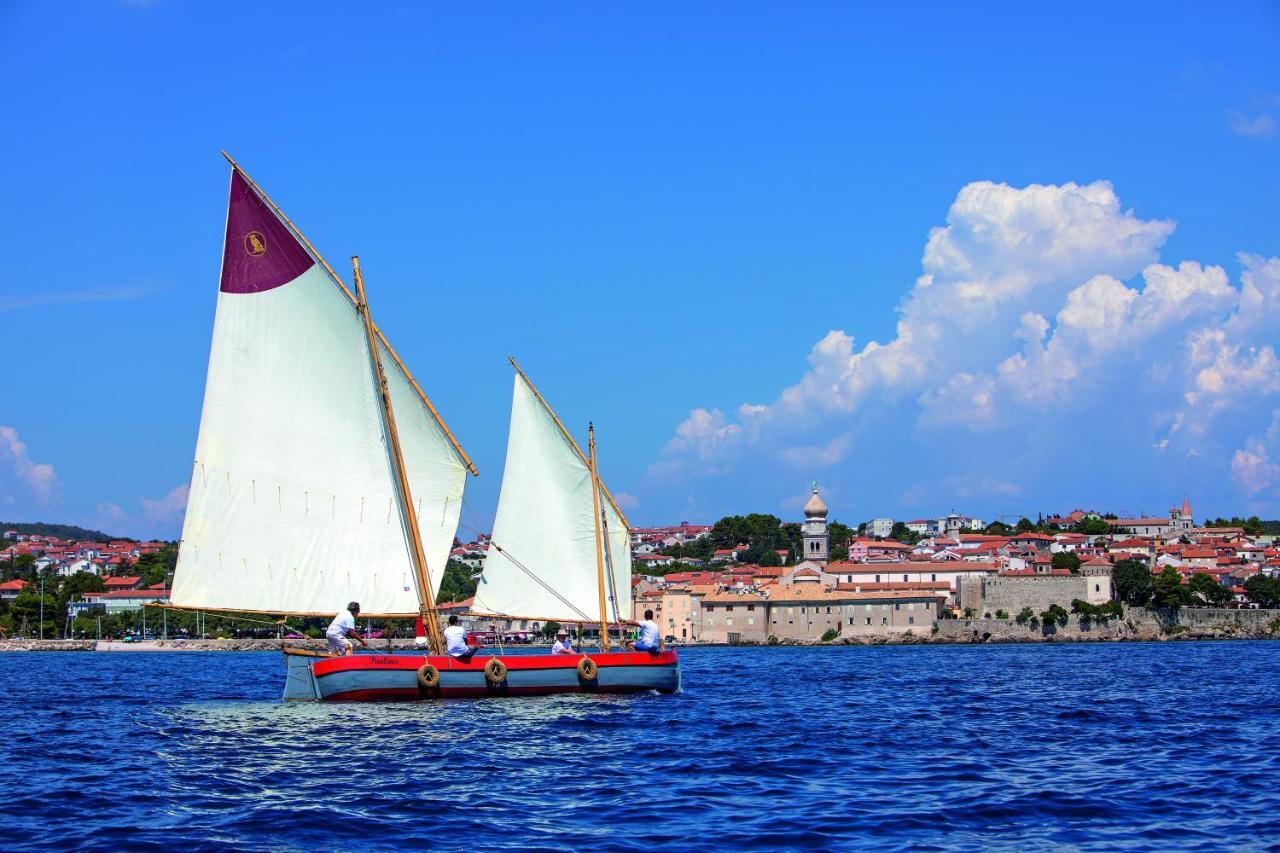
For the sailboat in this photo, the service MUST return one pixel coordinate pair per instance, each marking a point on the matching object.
(324, 474)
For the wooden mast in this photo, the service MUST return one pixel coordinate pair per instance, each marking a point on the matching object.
(569, 438)
(595, 515)
(426, 599)
(462, 454)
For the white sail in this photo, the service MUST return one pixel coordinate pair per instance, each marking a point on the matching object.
(542, 562)
(292, 504)
(437, 476)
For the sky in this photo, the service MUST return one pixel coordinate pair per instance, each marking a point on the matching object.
(992, 259)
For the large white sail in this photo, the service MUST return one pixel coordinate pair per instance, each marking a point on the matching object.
(546, 567)
(292, 505)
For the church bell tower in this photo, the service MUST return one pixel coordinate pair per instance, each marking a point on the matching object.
(814, 530)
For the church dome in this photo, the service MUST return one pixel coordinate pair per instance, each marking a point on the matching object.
(815, 508)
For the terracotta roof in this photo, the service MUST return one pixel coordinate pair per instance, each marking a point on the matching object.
(800, 594)
(912, 566)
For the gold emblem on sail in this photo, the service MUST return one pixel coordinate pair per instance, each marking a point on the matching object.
(255, 244)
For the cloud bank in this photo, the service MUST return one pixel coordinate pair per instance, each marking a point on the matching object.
(1042, 310)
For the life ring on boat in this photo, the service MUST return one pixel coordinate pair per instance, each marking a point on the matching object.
(495, 671)
(588, 669)
(428, 676)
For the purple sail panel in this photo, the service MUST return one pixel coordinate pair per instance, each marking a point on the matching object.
(260, 253)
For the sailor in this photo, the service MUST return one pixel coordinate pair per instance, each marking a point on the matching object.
(342, 627)
(650, 637)
(562, 645)
(455, 640)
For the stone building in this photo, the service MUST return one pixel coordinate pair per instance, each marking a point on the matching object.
(850, 574)
(813, 531)
(1012, 593)
(806, 612)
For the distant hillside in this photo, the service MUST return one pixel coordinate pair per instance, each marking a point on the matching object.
(62, 531)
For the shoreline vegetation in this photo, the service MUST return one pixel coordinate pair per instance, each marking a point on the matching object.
(1136, 625)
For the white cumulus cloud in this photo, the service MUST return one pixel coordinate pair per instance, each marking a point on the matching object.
(39, 477)
(169, 508)
(1035, 305)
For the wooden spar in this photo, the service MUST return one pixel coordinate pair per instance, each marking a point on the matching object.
(511, 616)
(426, 597)
(569, 438)
(283, 614)
(595, 514)
(462, 454)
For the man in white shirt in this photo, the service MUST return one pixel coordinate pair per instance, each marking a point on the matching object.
(650, 637)
(455, 640)
(562, 645)
(343, 626)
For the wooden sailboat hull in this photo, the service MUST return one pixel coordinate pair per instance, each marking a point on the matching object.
(394, 677)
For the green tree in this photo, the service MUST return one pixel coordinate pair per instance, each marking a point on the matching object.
(902, 533)
(829, 635)
(1067, 560)
(1263, 591)
(770, 558)
(158, 567)
(1055, 613)
(1168, 590)
(456, 585)
(1094, 527)
(1025, 615)
(1024, 525)
(1204, 589)
(549, 629)
(997, 528)
(1132, 580)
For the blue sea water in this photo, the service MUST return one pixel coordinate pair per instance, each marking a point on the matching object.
(1173, 745)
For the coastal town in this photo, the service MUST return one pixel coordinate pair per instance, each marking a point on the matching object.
(825, 581)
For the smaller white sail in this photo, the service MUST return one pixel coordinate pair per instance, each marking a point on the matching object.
(542, 561)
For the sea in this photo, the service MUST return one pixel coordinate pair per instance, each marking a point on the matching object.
(1163, 746)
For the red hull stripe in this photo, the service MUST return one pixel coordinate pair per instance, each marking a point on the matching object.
(399, 695)
(515, 663)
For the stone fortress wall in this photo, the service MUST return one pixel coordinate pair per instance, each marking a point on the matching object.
(1013, 593)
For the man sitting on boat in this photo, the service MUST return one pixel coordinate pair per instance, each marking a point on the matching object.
(343, 626)
(455, 640)
(650, 636)
(562, 645)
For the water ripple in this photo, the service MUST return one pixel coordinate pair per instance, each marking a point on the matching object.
(1097, 746)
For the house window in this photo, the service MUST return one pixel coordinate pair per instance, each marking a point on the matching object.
(884, 620)
(828, 609)
(710, 607)
(729, 607)
(897, 605)
(911, 620)
(728, 621)
(751, 620)
(1097, 587)
(750, 607)
(790, 611)
(935, 576)
(868, 620)
(877, 579)
(904, 578)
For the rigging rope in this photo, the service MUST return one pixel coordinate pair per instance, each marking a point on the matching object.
(522, 567)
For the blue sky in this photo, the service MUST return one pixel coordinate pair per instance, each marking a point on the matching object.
(664, 211)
